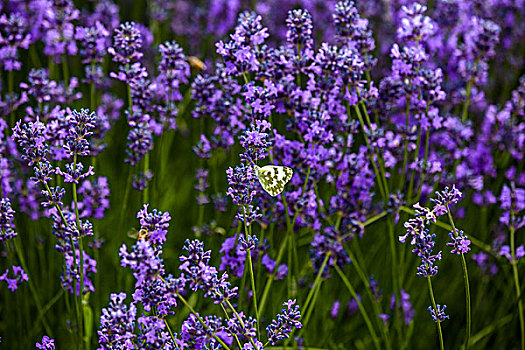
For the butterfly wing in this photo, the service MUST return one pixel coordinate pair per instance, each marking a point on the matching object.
(273, 178)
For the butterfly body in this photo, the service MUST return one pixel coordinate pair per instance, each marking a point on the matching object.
(273, 178)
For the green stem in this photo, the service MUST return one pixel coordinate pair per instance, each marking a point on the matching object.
(517, 281)
(464, 113)
(312, 297)
(425, 160)
(32, 288)
(228, 318)
(93, 94)
(46, 308)
(405, 150)
(10, 87)
(351, 289)
(438, 322)
(466, 281)
(238, 319)
(380, 183)
(250, 266)
(130, 170)
(59, 210)
(65, 69)
(272, 276)
(81, 263)
(362, 275)
(169, 330)
(316, 282)
(375, 218)
(412, 177)
(145, 193)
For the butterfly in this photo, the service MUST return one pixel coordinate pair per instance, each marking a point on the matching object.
(273, 177)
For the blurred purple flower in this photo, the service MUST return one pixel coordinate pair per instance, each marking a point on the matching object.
(18, 278)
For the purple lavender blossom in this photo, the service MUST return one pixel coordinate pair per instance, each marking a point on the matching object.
(156, 223)
(105, 12)
(282, 270)
(255, 142)
(153, 333)
(440, 314)
(39, 86)
(59, 29)
(288, 319)
(460, 242)
(144, 259)
(13, 35)
(95, 198)
(248, 244)
(233, 258)
(140, 142)
(30, 137)
(513, 204)
(71, 276)
(300, 28)
(117, 323)
(127, 44)
(449, 196)
(422, 240)
(334, 310)
(7, 227)
(506, 252)
(241, 52)
(19, 276)
(353, 31)
(200, 275)
(201, 186)
(329, 245)
(94, 42)
(81, 126)
(197, 336)
(241, 182)
(141, 179)
(47, 343)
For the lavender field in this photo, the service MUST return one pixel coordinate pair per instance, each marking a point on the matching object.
(264, 174)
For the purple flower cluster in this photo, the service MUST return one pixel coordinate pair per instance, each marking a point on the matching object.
(174, 71)
(423, 241)
(460, 242)
(513, 205)
(36, 142)
(438, 315)
(117, 324)
(19, 276)
(127, 44)
(14, 34)
(59, 37)
(7, 227)
(47, 343)
(288, 319)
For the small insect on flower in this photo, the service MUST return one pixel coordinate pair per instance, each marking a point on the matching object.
(138, 234)
(273, 177)
(195, 62)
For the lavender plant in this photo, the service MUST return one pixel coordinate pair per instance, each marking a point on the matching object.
(332, 157)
